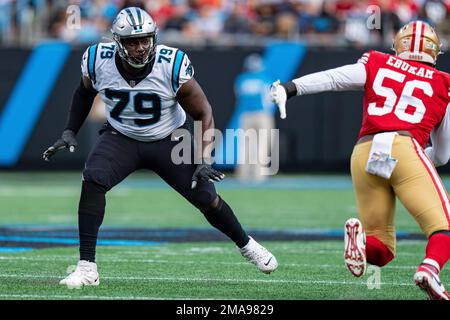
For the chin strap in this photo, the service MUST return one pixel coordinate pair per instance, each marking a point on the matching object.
(137, 66)
(123, 53)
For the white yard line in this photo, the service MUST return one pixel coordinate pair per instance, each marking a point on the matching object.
(121, 260)
(36, 296)
(222, 280)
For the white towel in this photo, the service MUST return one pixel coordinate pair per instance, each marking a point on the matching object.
(380, 162)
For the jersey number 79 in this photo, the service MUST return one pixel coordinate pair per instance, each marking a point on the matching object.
(123, 98)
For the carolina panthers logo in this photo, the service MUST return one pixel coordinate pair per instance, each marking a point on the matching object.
(189, 70)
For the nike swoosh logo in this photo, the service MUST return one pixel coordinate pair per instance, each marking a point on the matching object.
(435, 279)
(438, 282)
(267, 263)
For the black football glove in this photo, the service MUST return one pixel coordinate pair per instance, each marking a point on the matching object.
(67, 140)
(206, 173)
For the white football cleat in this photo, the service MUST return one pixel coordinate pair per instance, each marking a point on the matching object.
(427, 278)
(355, 247)
(260, 256)
(85, 274)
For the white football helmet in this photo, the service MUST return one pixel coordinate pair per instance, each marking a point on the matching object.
(134, 22)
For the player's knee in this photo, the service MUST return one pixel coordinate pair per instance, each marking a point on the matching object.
(92, 199)
(98, 176)
(205, 200)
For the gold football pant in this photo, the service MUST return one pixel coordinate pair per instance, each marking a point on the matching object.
(414, 181)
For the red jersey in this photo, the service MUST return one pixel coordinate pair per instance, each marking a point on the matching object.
(403, 95)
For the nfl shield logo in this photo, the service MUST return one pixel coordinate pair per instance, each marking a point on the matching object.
(132, 83)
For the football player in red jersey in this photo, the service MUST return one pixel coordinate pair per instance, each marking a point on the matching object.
(406, 102)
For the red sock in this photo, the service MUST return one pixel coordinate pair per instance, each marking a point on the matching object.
(377, 253)
(438, 248)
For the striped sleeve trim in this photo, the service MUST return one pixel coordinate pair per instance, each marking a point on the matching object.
(179, 57)
(92, 56)
(365, 58)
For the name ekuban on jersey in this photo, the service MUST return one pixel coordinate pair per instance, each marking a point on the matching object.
(146, 110)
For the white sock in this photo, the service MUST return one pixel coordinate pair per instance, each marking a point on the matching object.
(433, 263)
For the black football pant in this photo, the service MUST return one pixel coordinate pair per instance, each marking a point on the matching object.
(115, 156)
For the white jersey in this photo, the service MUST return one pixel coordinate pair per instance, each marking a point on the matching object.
(146, 110)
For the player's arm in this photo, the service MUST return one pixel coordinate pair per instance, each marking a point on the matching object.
(439, 152)
(82, 100)
(192, 98)
(345, 78)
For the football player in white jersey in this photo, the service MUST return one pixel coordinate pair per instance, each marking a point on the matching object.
(147, 89)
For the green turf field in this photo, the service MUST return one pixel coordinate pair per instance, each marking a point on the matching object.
(199, 270)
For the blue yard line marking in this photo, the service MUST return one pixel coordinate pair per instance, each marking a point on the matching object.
(24, 106)
(75, 241)
(183, 232)
(128, 243)
(14, 249)
(114, 234)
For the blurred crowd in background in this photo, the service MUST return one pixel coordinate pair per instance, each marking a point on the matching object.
(225, 22)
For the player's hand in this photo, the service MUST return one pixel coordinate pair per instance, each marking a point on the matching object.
(206, 173)
(279, 97)
(67, 140)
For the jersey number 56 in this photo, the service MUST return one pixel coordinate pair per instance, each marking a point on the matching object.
(406, 97)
